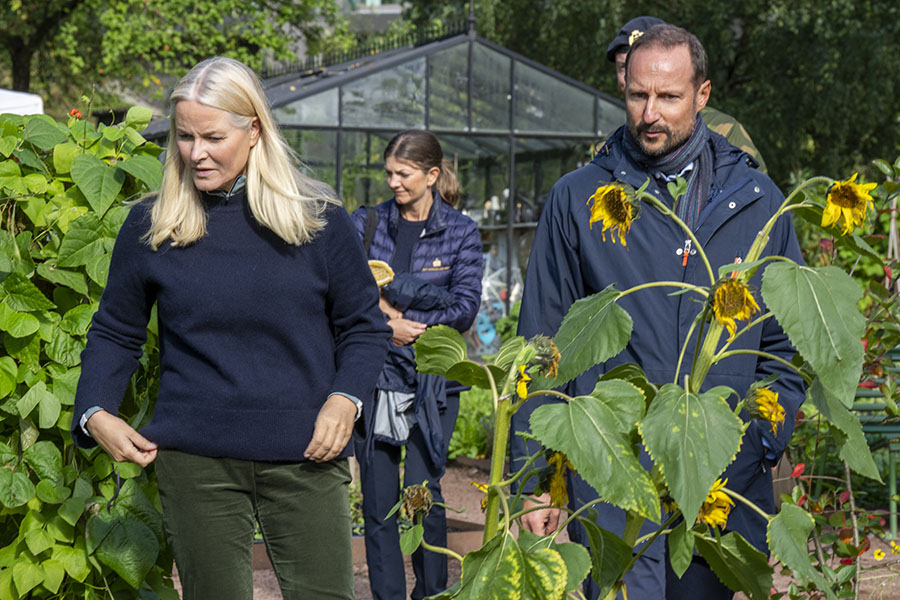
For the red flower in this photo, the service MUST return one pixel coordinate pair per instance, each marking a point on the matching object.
(887, 271)
(75, 113)
(802, 500)
(846, 561)
(798, 470)
(869, 385)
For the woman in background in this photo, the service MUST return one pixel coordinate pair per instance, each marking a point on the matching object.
(435, 253)
(270, 343)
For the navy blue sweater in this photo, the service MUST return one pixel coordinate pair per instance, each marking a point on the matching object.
(254, 333)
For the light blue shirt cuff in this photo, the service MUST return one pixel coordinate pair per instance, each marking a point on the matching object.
(84, 419)
(355, 400)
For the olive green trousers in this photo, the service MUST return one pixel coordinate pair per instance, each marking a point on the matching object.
(211, 506)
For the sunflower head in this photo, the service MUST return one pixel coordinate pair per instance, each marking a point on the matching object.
(416, 499)
(732, 300)
(546, 354)
(559, 495)
(717, 506)
(522, 382)
(763, 404)
(615, 206)
(846, 203)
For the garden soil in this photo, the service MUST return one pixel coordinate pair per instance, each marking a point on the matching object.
(880, 580)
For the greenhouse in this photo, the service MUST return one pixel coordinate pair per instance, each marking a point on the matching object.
(511, 127)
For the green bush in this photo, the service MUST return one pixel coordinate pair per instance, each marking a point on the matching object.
(474, 427)
(73, 523)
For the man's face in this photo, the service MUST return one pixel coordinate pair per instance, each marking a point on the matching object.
(620, 70)
(661, 101)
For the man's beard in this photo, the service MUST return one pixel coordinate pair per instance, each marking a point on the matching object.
(671, 144)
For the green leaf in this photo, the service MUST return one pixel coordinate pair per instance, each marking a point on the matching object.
(112, 134)
(592, 436)
(576, 557)
(7, 455)
(77, 319)
(788, 535)
(54, 572)
(610, 556)
(138, 117)
(63, 155)
(64, 385)
(411, 539)
(594, 330)
(73, 559)
(8, 372)
(31, 398)
(501, 570)
(18, 324)
(134, 503)
(82, 242)
(10, 174)
(737, 564)
(145, 169)
(130, 548)
(72, 509)
(816, 307)
(38, 540)
(441, 350)
(681, 548)
(43, 132)
(65, 349)
(97, 268)
(850, 438)
(15, 488)
(51, 494)
(70, 279)
(7, 145)
(99, 182)
(46, 460)
(27, 575)
(626, 406)
(634, 375)
(691, 438)
(24, 296)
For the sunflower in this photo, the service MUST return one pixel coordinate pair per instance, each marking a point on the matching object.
(416, 499)
(733, 300)
(484, 489)
(559, 495)
(522, 383)
(613, 205)
(763, 404)
(878, 554)
(846, 203)
(546, 354)
(717, 506)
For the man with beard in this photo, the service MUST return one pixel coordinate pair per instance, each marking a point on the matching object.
(726, 202)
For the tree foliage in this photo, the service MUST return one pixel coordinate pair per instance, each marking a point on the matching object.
(63, 48)
(814, 82)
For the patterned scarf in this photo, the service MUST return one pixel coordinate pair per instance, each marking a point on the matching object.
(699, 179)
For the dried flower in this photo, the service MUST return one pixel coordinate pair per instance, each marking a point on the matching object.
(546, 354)
(846, 203)
(559, 494)
(615, 207)
(416, 499)
(732, 300)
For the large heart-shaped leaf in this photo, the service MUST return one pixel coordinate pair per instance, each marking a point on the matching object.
(594, 330)
(816, 307)
(22, 295)
(576, 557)
(99, 182)
(610, 556)
(788, 535)
(27, 575)
(441, 350)
(595, 438)
(46, 460)
(18, 324)
(83, 241)
(128, 547)
(144, 168)
(73, 559)
(15, 488)
(691, 438)
(849, 438)
(737, 564)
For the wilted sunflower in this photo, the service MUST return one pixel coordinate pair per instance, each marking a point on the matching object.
(764, 405)
(559, 494)
(484, 489)
(846, 203)
(717, 506)
(546, 354)
(416, 499)
(522, 383)
(733, 300)
(614, 206)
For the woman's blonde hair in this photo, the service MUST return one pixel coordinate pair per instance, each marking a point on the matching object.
(281, 198)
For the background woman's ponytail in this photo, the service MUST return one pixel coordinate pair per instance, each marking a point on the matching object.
(447, 185)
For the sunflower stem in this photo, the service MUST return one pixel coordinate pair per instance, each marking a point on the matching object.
(679, 284)
(787, 363)
(747, 502)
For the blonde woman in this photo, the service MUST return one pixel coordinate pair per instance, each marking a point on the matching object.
(270, 344)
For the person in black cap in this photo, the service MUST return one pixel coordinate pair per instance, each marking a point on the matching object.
(722, 123)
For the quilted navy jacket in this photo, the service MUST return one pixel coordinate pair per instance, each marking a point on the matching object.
(569, 260)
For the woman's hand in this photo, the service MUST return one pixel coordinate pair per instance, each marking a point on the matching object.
(406, 331)
(120, 440)
(387, 309)
(334, 424)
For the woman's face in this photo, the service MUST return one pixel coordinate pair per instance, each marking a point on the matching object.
(408, 181)
(215, 151)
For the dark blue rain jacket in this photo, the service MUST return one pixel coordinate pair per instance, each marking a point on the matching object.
(569, 261)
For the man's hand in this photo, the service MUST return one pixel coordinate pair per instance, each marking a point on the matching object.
(334, 424)
(406, 331)
(120, 440)
(543, 521)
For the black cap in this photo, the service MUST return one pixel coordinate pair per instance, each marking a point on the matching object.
(630, 31)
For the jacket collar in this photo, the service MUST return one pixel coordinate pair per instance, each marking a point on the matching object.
(436, 221)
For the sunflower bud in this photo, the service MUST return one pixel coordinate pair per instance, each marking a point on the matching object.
(546, 354)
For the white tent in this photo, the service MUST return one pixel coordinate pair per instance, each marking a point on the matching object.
(20, 103)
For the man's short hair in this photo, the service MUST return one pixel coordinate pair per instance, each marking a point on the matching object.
(669, 36)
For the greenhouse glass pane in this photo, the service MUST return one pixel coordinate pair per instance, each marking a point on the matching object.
(319, 109)
(448, 81)
(317, 151)
(546, 104)
(609, 117)
(362, 170)
(490, 90)
(540, 162)
(391, 98)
